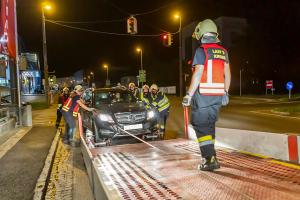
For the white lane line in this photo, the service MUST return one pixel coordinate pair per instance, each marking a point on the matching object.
(270, 114)
(12, 141)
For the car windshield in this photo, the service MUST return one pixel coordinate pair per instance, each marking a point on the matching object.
(111, 97)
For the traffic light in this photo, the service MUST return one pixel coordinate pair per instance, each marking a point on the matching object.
(167, 39)
(131, 25)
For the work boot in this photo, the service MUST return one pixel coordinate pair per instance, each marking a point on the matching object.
(209, 164)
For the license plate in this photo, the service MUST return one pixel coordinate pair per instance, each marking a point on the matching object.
(134, 126)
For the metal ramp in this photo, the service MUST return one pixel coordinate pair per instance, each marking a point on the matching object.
(137, 171)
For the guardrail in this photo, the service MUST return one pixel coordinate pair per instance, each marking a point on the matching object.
(4, 114)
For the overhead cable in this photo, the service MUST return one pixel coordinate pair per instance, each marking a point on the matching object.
(90, 22)
(104, 32)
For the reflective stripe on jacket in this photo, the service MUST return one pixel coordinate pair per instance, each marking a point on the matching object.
(67, 105)
(212, 80)
(160, 101)
(145, 100)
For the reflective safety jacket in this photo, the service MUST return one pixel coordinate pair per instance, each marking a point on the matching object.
(68, 105)
(135, 93)
(145, 99)
(212, 80)
(160, 101)
(61, 100)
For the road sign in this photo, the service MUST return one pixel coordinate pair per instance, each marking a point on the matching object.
(289, 85)
(142, 76)
(269, 84)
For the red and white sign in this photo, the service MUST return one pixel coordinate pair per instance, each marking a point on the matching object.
(7, 28)
(269, 84)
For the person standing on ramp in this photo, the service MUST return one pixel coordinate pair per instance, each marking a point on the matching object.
(208, 90)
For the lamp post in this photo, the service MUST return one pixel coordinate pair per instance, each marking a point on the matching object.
(105, 66)
(177, 16)
(45, 7)
(140, 50)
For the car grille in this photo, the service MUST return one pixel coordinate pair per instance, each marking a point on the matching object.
(130, 118)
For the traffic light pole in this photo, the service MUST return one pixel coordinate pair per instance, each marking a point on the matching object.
(180, 61)
(45, 57)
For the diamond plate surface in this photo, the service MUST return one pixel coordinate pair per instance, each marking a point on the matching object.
(141, 172)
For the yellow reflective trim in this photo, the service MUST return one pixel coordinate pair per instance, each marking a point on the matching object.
(164, 107)
(204, 138)
(285, 164)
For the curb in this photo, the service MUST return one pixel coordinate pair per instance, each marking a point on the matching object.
(41, 185)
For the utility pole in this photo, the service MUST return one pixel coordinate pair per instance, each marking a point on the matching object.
(240, 81)
(45, 55)
(180, 60)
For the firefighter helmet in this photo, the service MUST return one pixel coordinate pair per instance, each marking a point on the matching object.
(146, 87)
(78, 88)
(153, 87)
(66, 89)
(131, 85)
(203, 27)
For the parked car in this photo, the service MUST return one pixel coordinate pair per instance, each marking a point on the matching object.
(117, 113)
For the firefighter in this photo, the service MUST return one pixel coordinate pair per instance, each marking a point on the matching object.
(61, 101)
(145, 96)
(70, 112)
(134, 91)
(208, 90)
(160, 101)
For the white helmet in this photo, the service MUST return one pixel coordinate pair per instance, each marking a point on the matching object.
(131, 84)
(153, 87)
(78, 88)
(146, 86)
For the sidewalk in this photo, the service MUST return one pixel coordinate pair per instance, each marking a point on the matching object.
(23, 155)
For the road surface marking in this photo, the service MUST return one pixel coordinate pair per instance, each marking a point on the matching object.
(12, 141)
(284, 116)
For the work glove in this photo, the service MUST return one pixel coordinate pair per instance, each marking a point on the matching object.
(91, 109)
(225, 99)
(187, 100)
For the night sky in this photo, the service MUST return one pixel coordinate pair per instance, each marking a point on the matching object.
(270, 50)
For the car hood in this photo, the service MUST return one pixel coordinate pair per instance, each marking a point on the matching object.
(122, 107)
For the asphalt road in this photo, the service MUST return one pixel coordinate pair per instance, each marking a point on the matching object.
(254, 114)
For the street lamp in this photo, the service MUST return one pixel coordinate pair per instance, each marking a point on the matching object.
(45, 7)
(140, 51)
(105, 66)
(178, 17)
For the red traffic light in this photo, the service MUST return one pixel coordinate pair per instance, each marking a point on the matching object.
(167, 39)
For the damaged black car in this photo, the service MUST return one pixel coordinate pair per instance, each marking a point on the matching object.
(117, 114)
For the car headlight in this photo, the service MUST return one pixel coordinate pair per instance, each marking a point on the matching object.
(106, 118)
(150, 114)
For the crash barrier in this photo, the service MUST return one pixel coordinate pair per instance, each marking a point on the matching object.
(4, 114)
(275, 145)
(298, 141)
(168, 90)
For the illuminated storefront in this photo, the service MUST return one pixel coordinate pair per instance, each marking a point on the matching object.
(31, 82)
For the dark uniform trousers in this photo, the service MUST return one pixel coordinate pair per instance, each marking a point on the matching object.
(70, 125)
(205, 111)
